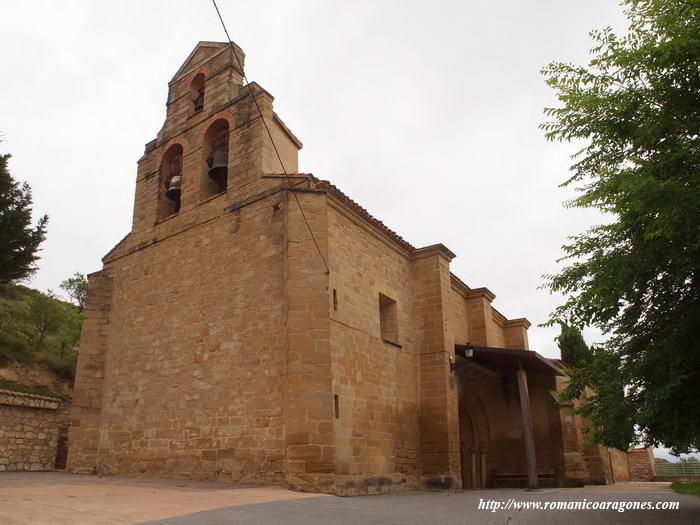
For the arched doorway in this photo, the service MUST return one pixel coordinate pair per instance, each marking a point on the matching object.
(474, 436)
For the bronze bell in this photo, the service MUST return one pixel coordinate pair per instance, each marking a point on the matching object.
(218, 166)
(173, 191)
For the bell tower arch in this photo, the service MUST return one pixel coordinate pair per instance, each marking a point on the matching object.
(169, 193)
(225, 147)
(215, 147)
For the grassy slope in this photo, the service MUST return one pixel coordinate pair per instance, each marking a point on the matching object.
(13, 300)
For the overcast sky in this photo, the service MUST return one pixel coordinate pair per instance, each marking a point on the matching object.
(426, 113)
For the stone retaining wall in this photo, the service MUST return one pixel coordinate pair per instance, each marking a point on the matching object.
(29, 431)
(641, 464)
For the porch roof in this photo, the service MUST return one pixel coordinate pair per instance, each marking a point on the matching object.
(508, 359)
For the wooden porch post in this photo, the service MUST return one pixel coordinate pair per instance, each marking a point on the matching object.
(528, 434)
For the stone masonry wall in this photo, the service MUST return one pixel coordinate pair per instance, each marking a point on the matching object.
(473, 320)
(619, 465)
(439, 416)
(310, 447)
(84, 432)
(29, 429)
(458, 318)
(641, 464)
(375, 381)
(195, 363)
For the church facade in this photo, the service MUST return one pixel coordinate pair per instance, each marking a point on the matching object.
(230, 336)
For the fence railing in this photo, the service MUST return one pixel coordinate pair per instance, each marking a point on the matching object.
(678, 469)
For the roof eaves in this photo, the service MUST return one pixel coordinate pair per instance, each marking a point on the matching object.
(342, 197)
(114, 248)
(364, 213)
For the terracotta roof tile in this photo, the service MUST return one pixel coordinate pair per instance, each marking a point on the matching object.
(331, 188)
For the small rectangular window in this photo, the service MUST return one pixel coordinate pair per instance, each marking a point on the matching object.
(388, 319)
(336, 406)
(335, 300)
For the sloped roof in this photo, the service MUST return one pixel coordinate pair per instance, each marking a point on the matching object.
(336, 192)
(341, 196)
(362, 211)
(509, 359)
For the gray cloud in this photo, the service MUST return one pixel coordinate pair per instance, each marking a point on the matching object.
(424, 112)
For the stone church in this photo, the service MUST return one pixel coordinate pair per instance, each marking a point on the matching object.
(230, 336)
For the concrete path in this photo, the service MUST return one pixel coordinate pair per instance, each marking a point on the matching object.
(58, 498)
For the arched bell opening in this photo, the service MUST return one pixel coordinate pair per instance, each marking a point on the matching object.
(474, 433)
(215, 148)
(170, 184)
(197, 92)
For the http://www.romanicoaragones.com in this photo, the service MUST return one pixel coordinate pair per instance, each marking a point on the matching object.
(584, 504)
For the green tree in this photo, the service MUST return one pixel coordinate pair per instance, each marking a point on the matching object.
(19, 240)
(69, 336)
(637, 277)
(45, 315)
(76, 287)
(601, 383)
(573, 348)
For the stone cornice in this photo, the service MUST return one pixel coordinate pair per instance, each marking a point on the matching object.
(521, 321)
(481, 292)
(434, 249)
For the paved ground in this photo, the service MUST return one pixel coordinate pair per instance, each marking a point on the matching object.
(56, 498)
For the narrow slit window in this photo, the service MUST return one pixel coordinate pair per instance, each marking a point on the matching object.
(388, 319)
(197, 93)
(336, 406)
(335, 300)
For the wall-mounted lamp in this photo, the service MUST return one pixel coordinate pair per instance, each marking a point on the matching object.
(464, 352)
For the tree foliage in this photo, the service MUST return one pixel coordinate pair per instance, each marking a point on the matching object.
(636, 106)
(44, 315)
(76, 287)
(19, 240)
(573, 348)
(612, 425)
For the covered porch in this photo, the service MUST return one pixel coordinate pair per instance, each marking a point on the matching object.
(509, 422)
